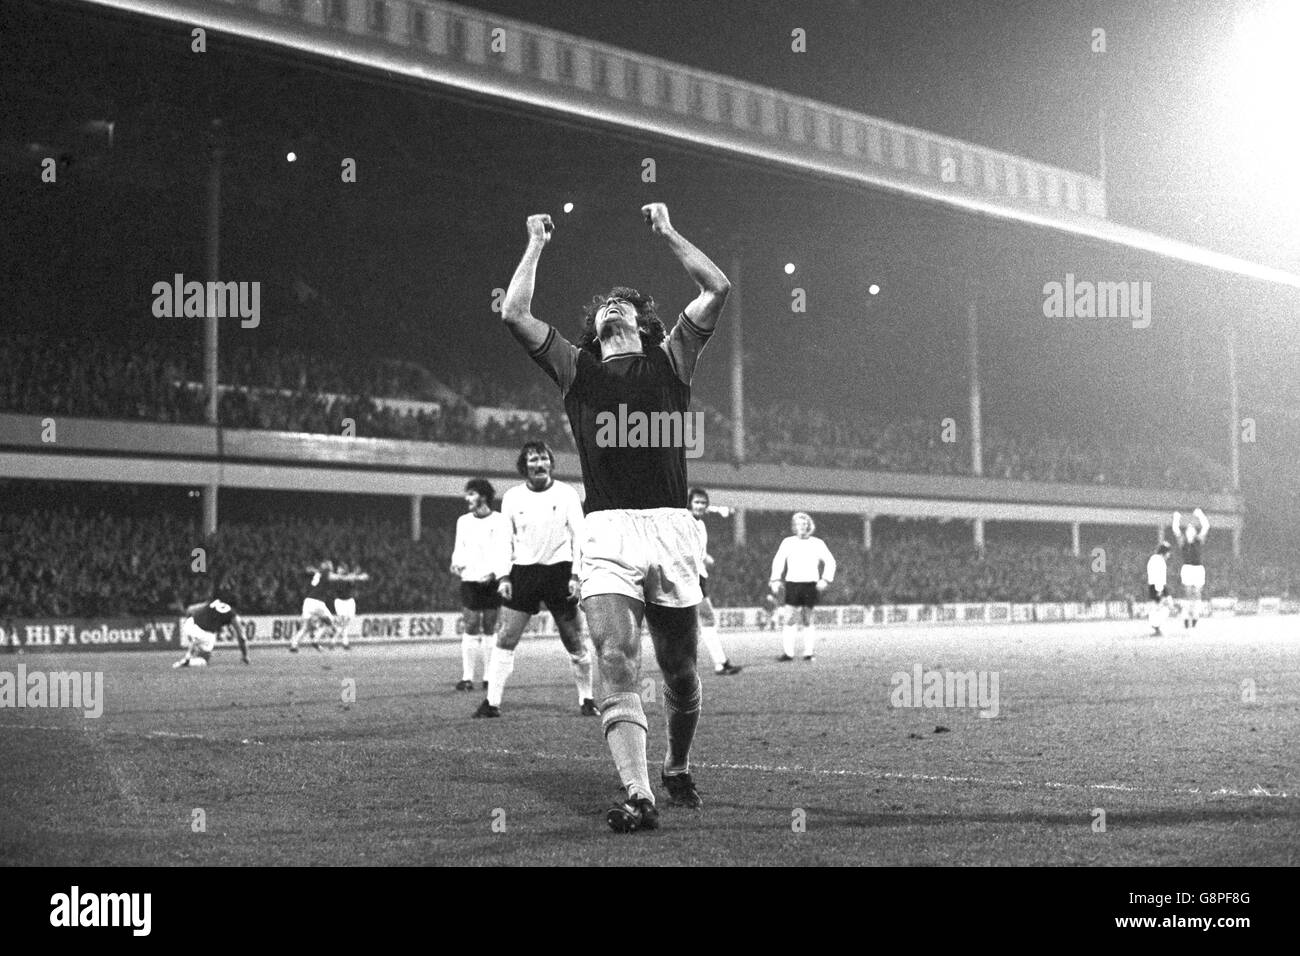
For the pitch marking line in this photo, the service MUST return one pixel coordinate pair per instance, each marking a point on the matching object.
(1255, 791)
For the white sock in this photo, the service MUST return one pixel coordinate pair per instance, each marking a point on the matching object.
(498, 669)
(809, 640)
(787, 637)
(709, 635)
(581, 664)
(483, 653)
(469, 651)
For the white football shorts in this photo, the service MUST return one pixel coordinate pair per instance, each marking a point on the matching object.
(1192, 575)
(345, 608)
(651, 555)
(314, 607)
(197, 638)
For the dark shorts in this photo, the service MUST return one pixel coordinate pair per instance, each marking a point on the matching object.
(1154, 595)
(535, 584)
(479, 595)
(802, 594)
(704, 586)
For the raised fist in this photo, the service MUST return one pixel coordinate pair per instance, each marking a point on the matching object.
(540, 227)
(656, 214)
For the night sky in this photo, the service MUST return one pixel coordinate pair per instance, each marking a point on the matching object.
(404, 261)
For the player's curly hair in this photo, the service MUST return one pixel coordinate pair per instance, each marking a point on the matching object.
(697, 493)
(537, 445)
(482, 487)
(648, 321)
(794, 521)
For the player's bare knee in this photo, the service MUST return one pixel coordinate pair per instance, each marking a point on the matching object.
(619, 670)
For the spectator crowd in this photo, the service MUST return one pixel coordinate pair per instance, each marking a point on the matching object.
(292, 390)
(76, 561)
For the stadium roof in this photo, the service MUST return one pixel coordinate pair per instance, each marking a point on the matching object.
(474, 52)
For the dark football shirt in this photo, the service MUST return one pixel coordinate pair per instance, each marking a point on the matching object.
(214, 615)
(605, 400)
(1191, 551)
(319, 588)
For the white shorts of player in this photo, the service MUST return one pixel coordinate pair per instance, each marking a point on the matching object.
(1192, 575)
(345, 609)
(312, 607)
(651, 555)
(198, 639)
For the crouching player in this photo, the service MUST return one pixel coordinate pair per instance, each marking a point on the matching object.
(203, 622)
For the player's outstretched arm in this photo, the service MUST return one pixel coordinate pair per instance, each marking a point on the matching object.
(1204, 522)
(706, 307)
(1177, 524)
(517, 308)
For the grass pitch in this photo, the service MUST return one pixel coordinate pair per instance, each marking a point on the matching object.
(1186, 742)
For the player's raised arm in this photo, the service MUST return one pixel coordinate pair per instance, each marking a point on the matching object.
(1178, 525)
(705, 308)
(1204, 522)
(517, 308)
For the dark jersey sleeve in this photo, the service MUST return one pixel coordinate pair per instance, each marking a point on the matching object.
(683, 347)
(558, 358)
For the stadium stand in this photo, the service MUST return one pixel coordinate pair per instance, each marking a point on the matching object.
(75, 561)
(292, 390)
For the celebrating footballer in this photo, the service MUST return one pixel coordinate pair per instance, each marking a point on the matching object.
(641, 554)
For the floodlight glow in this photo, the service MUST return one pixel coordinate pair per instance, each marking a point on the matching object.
(1263, 75)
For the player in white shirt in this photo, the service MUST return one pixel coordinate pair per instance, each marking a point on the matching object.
(480, 558)
(699, 505)
(1157, 587)
(1192, 573)
(546, 525)
(807, 567)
